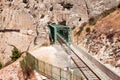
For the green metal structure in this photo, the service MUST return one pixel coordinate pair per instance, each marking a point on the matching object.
(64, 32)
(30, 63)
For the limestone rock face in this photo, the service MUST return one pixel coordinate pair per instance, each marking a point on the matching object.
(12, 72)
(96, 7)
(16, 25)
(24, 22)
(103, 41)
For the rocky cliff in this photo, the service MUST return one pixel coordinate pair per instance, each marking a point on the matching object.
(96, 7)
(23, 23)
(103, 40)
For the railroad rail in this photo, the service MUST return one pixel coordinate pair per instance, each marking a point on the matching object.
(86, 71)
(111, 74)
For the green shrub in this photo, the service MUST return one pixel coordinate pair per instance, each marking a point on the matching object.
(1, 65)
(107, 12)
(92, 21)
(66, 5)
(88, 29)
(25, 1)
(15, 54)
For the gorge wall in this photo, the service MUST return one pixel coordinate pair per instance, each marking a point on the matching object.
(30, 19)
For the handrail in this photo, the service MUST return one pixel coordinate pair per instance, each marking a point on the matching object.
(30, 63)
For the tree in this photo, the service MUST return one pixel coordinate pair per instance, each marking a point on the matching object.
(87, 29)
(15, 54)
(92, 21)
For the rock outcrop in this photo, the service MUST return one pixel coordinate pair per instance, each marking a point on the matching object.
(12, 72)
(96, 7)
(30, 18)
(103, 41)
(23, 23)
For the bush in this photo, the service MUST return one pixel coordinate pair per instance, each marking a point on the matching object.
(15, 54)
(104, 14)
(1, 65)
(88, 29)
(25, 1)
(66, 5)
(92, 21)
(51, 8)
(107, 12)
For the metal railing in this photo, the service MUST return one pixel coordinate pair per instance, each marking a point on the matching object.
(30, 63)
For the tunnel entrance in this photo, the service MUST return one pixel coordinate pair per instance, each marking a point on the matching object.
(64, 32)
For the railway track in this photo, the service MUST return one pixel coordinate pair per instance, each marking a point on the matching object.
(86, 71)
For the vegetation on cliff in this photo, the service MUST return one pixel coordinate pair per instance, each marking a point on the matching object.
(15, 54)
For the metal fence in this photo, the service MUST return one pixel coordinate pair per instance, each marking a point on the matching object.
(30, 63)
